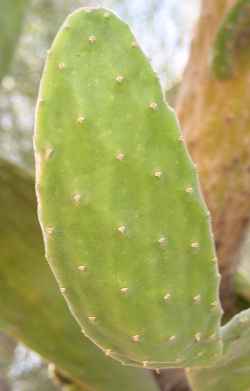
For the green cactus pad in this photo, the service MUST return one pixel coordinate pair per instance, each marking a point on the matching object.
(125, 227)
(31, 307)
(231, 372)
(242, 275)
(233, 35)
(11, 20)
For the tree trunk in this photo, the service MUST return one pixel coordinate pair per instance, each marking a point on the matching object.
(215, 117)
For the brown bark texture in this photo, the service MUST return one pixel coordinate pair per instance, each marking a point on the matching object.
(215, 118)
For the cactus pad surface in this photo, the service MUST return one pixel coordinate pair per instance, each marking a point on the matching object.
(11, 20)
(242, 275)
(126, 230)
(31, 307)
(231, 372)
(231, 40)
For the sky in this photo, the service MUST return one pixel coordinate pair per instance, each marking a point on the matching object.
(163, 29)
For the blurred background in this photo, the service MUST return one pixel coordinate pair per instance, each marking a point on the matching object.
(163, 29)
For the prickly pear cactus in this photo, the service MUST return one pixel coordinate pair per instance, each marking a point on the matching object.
(11, 20)
(231, 372)
(232, 36)
(31, 307)
(242, 276)
(125, 227)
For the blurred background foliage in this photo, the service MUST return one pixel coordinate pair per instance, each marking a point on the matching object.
(164, 31)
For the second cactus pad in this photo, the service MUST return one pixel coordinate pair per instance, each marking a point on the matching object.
(231, 372)
(232, 40)
(126, 230)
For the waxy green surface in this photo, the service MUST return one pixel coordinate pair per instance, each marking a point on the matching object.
(231, 372)
(126, 231)
(11, 20)
(232, 40)
(242, 275)
(31, 307)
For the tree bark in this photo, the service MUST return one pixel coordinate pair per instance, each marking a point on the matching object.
(215, 119)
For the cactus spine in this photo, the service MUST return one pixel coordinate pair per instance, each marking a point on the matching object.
(125, 227)
(231, 372)
(31, 308)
